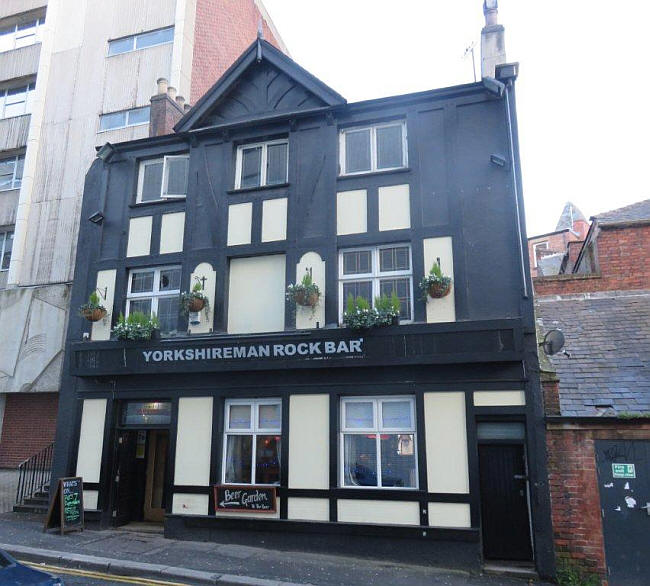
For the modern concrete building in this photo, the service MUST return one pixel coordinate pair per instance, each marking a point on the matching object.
(75, 74)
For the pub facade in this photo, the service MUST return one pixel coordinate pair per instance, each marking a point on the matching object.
(260, 418)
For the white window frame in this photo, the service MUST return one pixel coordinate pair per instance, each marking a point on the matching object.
(155, 294)
(3, 243)
(375, 275)
(15, 183)
(377, 429)
(535, 247)
(134, 44)
(27, 103)
(254, 430)
(17, 35)
(373, 147)
(165, 177)
(263, 162)
(127, 124)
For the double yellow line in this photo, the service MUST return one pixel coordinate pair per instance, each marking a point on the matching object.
(102, 576)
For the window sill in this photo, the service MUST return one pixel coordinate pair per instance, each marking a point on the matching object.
(157, 202)
(373, 173)
(260, 188)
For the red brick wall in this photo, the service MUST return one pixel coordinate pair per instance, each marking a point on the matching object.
(29, 426)
(556, 242)
(622, 259)
(573, 482)
(223, 30)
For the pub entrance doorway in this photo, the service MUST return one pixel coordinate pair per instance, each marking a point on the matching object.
(141, 467)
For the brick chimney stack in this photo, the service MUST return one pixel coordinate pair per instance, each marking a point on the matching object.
(166, 109)
(493, 45)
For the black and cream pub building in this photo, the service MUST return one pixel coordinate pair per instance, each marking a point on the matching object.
(257, 419)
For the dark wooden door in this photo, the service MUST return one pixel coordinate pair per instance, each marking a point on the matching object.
(504, 502)
(126, 478)
(624, 482)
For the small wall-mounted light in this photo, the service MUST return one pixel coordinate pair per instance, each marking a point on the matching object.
(97, 217)
(106, 152)
(497, 160)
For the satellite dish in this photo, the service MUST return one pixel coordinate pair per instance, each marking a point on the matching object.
(553, 342)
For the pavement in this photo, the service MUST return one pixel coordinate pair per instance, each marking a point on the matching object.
(146, 555)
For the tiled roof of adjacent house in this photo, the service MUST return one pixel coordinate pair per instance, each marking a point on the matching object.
(608, 337)
(632, 213)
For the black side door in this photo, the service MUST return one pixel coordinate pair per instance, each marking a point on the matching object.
(504, 502)
(125, 478)
(624, 483)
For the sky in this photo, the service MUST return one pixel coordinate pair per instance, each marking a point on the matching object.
(582, 92)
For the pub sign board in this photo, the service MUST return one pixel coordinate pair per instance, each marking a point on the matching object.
(66, 511)
(246, 498)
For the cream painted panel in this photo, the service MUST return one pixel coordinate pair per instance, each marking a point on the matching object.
(394, 207)
(384, 512)
(309, 441)
(90, 500)
(240, 217)
(193, 441)
(256, 309)
(499, 398)
(91, 439)
(244, 515)
(274, 219)
(440, 310)
(172, 232)
(446, 441)
(306, 317)
(131, 17)
(204, 270)
(190, 504)
(449, 515)
(351, 212)
(139, 236)
(308, 509)
(101, 330)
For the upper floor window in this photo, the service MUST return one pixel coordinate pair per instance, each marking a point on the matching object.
(11, 172)
(141, 41)
(378, 442)
(163, 178)
(21, 34)
(370, 272)
(252, 441)
(16, 101)
(125, 118)
(263, 163)
(378, 147)
(6, 242)
(156, 291)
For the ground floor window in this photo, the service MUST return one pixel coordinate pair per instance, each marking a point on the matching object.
(252, 437)
(378, 439)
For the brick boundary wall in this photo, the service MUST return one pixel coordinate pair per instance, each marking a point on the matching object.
(623, 254)
(29, 426)
(573, 484)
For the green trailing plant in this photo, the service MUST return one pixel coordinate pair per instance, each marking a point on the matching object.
(358, 314)
(138, 326)
(569, 574)
(306, 293)
(93, 310)
(194, 300)
(436, 284)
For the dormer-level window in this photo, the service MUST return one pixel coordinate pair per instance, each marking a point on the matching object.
(163, 178)
(379, 147)
(262, 164)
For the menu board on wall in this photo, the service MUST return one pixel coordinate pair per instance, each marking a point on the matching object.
(246, 498)
(66, 511)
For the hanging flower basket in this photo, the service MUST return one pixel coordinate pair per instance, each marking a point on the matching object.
(436, 284)
(305, 294)
(439, 290)
(94, 314)
(195, 300)
(195, 304)
(306, 298)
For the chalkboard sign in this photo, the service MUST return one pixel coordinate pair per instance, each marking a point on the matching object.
(66, 511)
(250, 499)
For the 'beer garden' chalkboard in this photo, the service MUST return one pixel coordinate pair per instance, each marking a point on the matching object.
(69, 503)
(251, 499)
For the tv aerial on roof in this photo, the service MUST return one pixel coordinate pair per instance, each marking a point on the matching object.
(554, 342)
